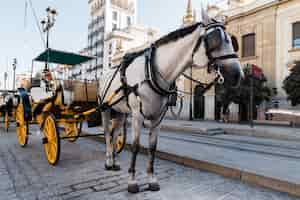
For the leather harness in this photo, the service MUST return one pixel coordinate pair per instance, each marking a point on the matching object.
(152, 76)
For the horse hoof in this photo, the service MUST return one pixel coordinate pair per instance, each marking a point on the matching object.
(154, 187)
(116, 167)
(107, 167)
(133, 188)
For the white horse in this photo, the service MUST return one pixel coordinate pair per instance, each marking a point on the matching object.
(144, 84)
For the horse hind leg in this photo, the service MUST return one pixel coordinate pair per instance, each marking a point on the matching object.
(152, 180)
(108, 141)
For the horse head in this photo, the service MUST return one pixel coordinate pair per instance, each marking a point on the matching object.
(220, 50)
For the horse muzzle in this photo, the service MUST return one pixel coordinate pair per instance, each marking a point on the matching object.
(232, 73)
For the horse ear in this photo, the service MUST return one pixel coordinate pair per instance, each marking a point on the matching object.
(205, 18)
(235, 43)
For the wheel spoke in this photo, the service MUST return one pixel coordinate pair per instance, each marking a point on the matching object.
(52, 145)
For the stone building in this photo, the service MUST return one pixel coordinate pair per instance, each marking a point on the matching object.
(105, 17)
(125, 40)
(268, 32)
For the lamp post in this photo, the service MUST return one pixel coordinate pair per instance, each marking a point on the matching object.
(251, 96)
(14, 68)
(5, 79)
(47, 24)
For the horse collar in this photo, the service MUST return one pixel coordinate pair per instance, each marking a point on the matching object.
(153, 76)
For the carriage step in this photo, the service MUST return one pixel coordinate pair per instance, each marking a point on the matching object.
(45, 141)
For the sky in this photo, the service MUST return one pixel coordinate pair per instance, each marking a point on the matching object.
(20, 38)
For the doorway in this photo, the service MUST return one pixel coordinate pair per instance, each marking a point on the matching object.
(199, 102)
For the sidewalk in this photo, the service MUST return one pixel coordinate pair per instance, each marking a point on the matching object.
(204, 127)
(264, 162)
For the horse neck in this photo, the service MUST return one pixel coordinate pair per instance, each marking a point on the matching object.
(175, 57)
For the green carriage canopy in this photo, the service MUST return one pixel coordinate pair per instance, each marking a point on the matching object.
(62, 57)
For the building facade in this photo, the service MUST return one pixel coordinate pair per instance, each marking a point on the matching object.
(268, 32)
(126, 39)
(269, 35)
(106, 16)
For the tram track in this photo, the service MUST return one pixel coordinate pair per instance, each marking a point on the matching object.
(235, 144)
(259, 141)
(259, 146)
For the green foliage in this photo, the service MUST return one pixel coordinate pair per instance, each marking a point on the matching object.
(241, 95)
(291, 85)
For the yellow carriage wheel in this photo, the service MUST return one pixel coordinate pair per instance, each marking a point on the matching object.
(22, 126)
(71, 130)
(120, 142)
(51, 141)
(6, 121)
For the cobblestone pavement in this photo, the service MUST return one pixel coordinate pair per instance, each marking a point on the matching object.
(26, 175)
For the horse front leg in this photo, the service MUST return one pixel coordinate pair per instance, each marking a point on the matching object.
(152, 180)
(137, 121)
(108, 141)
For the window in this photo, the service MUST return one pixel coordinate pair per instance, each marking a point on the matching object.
(128, 21)
(296, 35)
(248, 45)
(115, 15)
(115, 27)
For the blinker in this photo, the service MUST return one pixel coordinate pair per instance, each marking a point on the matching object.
(214, 40)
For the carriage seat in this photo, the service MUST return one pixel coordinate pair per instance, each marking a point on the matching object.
(38, 109)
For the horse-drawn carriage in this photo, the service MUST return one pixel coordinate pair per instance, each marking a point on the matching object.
(7, 108)
(59, 107)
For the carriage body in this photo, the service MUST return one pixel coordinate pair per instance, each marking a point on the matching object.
(8, 104)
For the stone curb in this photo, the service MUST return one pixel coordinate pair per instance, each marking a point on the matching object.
(243, 176)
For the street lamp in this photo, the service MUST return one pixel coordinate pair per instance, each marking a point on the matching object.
(5, 79)
(251, 108)
(14, 68)
(47, 24)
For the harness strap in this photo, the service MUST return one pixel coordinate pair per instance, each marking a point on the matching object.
(212, 59)
(109, 84)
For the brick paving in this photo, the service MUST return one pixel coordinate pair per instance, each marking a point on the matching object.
(26, 175)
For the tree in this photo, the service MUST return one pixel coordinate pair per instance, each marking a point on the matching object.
(291, 84)
(241, 95)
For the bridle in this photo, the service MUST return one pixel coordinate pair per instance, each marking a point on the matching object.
(212, 41)
(213, 65)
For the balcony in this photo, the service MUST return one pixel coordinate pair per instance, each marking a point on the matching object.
(125, 4)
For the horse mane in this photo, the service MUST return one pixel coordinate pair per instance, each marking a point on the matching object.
(177, 34)
(171, 37)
